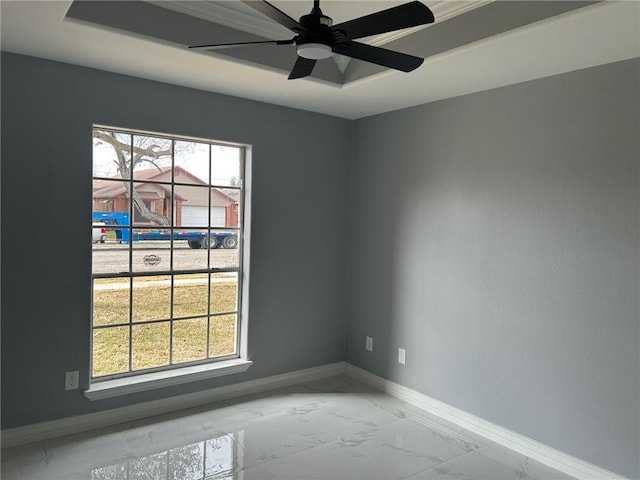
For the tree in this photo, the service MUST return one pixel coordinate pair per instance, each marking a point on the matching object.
(128, 156)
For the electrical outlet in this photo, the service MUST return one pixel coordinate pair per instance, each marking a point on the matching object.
(402, 356)
(369, 344)
(71, 380)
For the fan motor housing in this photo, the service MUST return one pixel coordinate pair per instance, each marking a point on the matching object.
(314, 21)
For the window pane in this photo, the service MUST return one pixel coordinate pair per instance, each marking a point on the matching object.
(109, 197)
(224, 249)
(224, 208)
(192, 163)
(110, 259)
(150, 345)
(192, 207)
(151, 250)
(153, 158)
(151, 204)
(190, 296)
(110, 350)
(224, 292)
(188, 252)
(110, 301)
(151, 298)
(189, 340)
(222, 335)
(225, 166)
(112, 211)
(232, 217)
(111, 151)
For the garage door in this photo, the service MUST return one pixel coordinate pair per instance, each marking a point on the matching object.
(199, 217)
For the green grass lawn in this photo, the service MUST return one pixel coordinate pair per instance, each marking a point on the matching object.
(151, 343)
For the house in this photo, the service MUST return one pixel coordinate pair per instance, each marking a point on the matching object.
(480, 213)
(191, 205)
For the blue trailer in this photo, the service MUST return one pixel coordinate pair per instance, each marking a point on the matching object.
(194, 239)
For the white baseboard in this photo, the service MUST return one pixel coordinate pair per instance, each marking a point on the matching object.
(544, 454)
(65, 426)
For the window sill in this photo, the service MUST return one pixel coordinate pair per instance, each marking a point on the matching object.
(149, 381)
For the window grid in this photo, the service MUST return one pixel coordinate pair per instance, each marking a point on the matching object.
(131, 182)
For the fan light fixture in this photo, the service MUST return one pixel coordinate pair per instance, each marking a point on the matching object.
(316, 38)
(314, 51)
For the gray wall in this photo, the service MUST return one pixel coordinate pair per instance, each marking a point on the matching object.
(299, 190)
(495, 237)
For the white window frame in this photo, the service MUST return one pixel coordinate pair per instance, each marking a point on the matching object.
(140, 380)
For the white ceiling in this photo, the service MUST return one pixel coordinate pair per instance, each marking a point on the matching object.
(602, 33)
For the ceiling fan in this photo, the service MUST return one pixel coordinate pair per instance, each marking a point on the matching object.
(316, 36)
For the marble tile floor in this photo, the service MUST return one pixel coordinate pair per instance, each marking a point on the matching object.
(336, 428)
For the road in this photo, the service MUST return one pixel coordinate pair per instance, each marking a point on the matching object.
(155, 256)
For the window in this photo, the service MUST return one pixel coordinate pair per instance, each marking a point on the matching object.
(167, 282)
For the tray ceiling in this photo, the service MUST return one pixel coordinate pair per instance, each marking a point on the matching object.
(472, 46)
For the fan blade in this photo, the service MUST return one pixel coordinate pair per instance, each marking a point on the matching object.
(274, 13)
(379, 56)
(302, 68)
(407, 15)
(220, 46)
